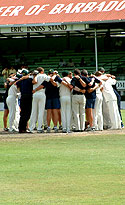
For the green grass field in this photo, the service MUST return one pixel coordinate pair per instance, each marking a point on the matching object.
(63, 169)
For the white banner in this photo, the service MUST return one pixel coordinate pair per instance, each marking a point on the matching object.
(41, 28)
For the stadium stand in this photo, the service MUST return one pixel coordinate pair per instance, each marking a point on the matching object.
(112, 61)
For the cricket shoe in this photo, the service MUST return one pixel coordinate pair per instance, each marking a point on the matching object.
(13, 131)
(64, 130)
(48, 130)
(90, 129)
(6, 129)
(40, 131)
(55, 129)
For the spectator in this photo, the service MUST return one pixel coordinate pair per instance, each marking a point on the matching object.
(107, 41)
(70, 63)
(82, 63)
(62, 63)
(17, 62)
(92, 62)
(5, 73)
(23, 59)
(12, 70)
(118, 44)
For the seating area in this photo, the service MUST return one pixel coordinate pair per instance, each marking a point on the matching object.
(113, 62)
(110, 61)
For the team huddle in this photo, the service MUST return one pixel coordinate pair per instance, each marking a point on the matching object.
(75, 102)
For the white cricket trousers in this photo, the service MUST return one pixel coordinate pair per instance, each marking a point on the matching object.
(97, 113)
(65, 111)
(78, 109)
(114, 114)
(37, 113)
(14, 111)
(105, 111)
